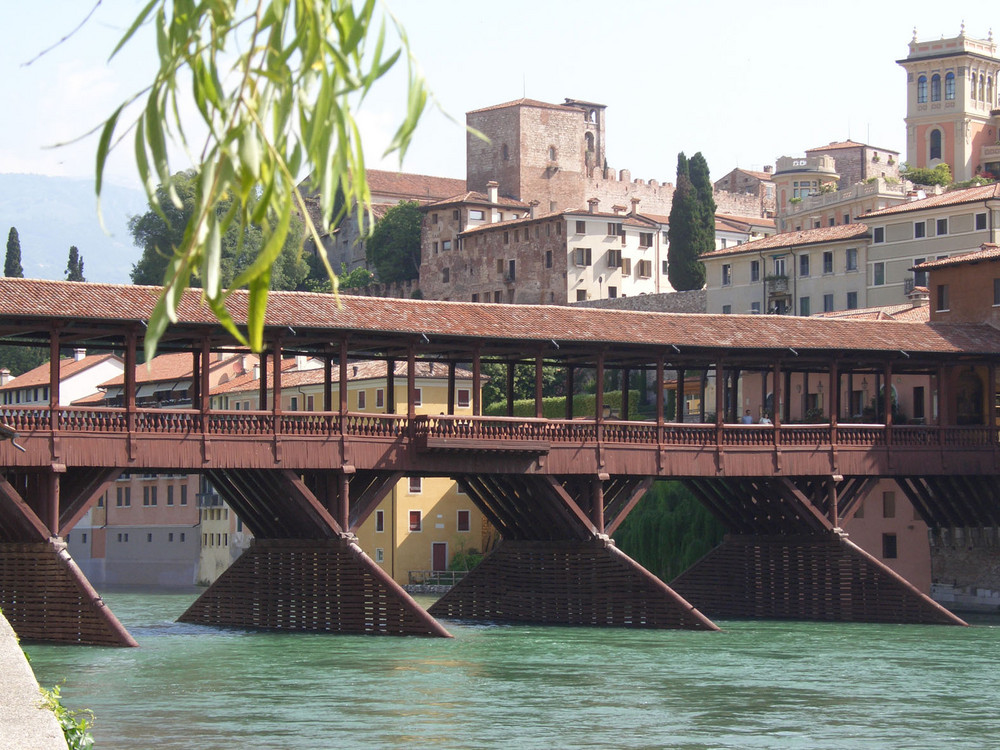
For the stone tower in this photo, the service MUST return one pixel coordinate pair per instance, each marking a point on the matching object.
(537, 151)
(952, 112)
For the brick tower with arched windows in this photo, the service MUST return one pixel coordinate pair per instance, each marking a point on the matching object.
(952, 110)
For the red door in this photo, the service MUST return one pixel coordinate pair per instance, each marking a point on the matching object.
(439, 556)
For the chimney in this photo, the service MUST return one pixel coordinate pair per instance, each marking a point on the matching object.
(618, 210)
(533, 205)
(592, 205)
(492, 188)
(919, 296)
(5, 376)
(256, 371)
(300, 361)
(768, 169)
(79, 354)
(635, 206)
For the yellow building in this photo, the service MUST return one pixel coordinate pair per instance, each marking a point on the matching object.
(424, 522)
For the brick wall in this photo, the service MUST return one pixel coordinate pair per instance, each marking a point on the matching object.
(674, 302)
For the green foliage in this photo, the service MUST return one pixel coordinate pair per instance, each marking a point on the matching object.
(20, 359)
(977, 181)
(554, 407)
(495, 384)
(465, 559)
(12, 263)
(74, 265)
(393, 248)
(160, 232)
(940, 175)
(692, 224)
(668, 531)
(75, 724)
(274, 83)
(359, 278)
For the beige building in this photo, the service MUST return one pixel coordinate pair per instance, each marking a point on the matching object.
(424, 522)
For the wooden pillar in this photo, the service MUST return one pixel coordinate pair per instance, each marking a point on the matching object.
(345, 501)
(942, 397)
(805, 393)
(659, 399)
(834, 400)
(262, 389)
(276, 382)
(411, 382)
(451, 387)
(831, 492)
(850, 393)
(991, 405)
(720, 402)
(390, 386)
(570, 372)
(887, 402)
(679, 397)
(763, 392)
(787, 390)
(510, 389)
(205, 388)
(778, 383)
(196, 368)
(52, 498)
(539, 410)
(342, 384)
(599, 395)
(130, 346)
(597, 504)
(54, 377)
(701, 400)
(327, 382)
(477, 383)
(626, 375)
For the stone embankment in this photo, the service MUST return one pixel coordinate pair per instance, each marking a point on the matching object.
(24, 723)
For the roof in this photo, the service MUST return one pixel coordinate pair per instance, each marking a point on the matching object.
(838, 145)
(68, 367)
(167, 367)
(106, 309)
(901, 313)
(475, 197)
(787, 240)
(527, 103)
(951, 198)
(755, 221)
(356, 371)
(988, 251)
(419, 187)
(763, 176)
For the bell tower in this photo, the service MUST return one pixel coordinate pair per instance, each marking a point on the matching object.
(952, 110)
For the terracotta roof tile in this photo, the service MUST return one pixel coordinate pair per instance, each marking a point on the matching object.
(474, 197)
(526, 103)
(951, 198)
(322, 315)
(802, 238)
(988, 251)
(68, 367)
(848, 144)
(406, 186)
(167, 367)
(902, 313)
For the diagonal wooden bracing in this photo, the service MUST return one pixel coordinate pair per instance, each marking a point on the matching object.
(78, 490)
(954, 501)
(303, 571)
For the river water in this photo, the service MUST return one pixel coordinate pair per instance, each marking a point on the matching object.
(753, 685)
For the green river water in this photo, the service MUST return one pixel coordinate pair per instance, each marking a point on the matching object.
(753, 685)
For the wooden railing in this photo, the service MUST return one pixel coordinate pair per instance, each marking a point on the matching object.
(100, 420)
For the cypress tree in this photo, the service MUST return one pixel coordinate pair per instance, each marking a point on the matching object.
(684, 269)
(12, 264)
(74, 265)
(702, 182)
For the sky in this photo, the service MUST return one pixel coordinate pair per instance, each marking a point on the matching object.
(744, 83)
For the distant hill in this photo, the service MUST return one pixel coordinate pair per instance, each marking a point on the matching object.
(52, 213)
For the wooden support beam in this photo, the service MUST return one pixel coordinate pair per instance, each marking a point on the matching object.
(638, 492)
(81, 488)
(18, 521)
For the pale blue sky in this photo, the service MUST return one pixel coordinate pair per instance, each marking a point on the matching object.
(742, 82)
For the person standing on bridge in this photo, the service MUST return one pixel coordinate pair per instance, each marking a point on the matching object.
(747, 417)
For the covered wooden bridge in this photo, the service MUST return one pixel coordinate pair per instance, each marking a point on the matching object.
(556, 489)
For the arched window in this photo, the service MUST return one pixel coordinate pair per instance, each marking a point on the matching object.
(589, 137)
(949, 86)
(922, 90)
(989, 89)
(552, 153)
(592, 117)
(935, 88)
(982, 87)
(505, 152)
(935, 152)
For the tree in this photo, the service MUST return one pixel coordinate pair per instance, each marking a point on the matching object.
(393, 247)
(692, 223)
(702, 183)
(74, 265)
(12, 264)
(160, 233)
(939, 175)
(274, 83)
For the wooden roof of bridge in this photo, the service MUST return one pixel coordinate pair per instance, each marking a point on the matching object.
(93, 312)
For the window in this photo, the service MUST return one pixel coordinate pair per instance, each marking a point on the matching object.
(417, 395)
(949, 86)
(889, 504)
(919, 229)
(184, 498)
(581, 227)
(935, 88)
(511, 274)
(665, 266)
(852, 300)
(878, 235)
(445, 245)
(935, 144)
(380, 521)
(504, 152)
(310, 403)
(645, 269)
(434, 218)
(170, 494)
(464, 520)
(476, 215)
(612, 292)
(149, 537)
(581, 256)
(847, 219)
(445, 275)
(827, 303)
(183, 535)
(779, 265)
(852, 259)
(921, 91)
(755, 270)
(626, 266)
(379, 554)
(464, 398)
(614, 258)
(415, 485)
(552, 153)
(170, 536)
(727, 274)
(755, 308)
(727, 309)
(980, 221)
(803, 265)
(878, 273)
(645, 239)
(415, 520)
(548, 259)
(293, 403)
(828, 261)
(804, 307)
(614, 229)
(942, 298)
(362, 400)
(942, 227)
(889, 546)
(581, 295)
(506, 238)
